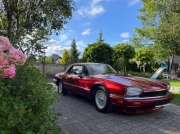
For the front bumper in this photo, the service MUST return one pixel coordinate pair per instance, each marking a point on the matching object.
(140, 104)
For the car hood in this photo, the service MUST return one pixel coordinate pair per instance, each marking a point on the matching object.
(145, 83)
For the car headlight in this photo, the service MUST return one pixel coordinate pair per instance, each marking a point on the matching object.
(168, 87)
(133, 91)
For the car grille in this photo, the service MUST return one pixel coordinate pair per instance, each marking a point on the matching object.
(154, 93)
(162, 102)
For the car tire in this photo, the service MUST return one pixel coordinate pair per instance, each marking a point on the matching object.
(101, 100)
(61, 88)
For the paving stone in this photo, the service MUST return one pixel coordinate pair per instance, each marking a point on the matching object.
(79, 116)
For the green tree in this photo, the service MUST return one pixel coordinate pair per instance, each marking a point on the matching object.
(74, 54)
(161, 26)
(26, 23)
(49, 59)
(45, 59)
(65, 58)
(122, 54)
(145, 56)
(98, 52)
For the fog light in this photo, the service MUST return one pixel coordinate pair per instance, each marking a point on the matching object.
(137, 103)
(120, 101)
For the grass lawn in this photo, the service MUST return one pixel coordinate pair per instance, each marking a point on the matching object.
(175, 83)
(176, 99)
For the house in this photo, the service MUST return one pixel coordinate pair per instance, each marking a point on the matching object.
(56, 58)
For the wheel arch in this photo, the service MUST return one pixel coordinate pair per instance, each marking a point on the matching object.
(58, 79)
(94, 87)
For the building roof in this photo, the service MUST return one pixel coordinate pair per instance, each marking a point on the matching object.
(56, 57)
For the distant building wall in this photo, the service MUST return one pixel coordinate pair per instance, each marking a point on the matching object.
(51, 69)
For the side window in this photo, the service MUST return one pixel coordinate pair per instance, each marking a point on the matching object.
(85, 71)
(74, 69)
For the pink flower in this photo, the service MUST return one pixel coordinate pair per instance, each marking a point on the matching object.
(11, 49)
(9, 57)
(4, 43)
(17, 57)
(9, 72)
(2, 57)
(5, 62)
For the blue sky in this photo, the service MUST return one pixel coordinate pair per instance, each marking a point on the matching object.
(116, 19)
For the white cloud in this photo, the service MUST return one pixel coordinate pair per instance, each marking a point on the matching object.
(92, 10)
(51, 41)
(133, 2)
(81, 44)
(56, 50)
(64, 40)
(63, 37)
(125, 41)
(94, 2)
(58, 46)
(125, 35)
(86, 32)
(119, 42)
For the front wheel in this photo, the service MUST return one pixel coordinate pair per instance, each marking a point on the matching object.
(101, 99)
(61, 88)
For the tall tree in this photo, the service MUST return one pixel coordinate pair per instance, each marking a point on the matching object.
(27, 22)
(122, 54)
(98, 52)
(65, 58)
(145, 56)
(74, 54)
(161, 26)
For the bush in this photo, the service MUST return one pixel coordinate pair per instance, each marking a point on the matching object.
(26, 104)
(147, 74)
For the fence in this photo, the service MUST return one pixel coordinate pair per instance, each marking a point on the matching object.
(51, 69)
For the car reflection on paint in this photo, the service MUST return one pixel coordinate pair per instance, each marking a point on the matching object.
(100, 83)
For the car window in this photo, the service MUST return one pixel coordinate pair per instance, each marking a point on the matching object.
(100, 69)
(77, 68)
(85, 70)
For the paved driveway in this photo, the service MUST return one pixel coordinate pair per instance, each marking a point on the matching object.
(79, 116)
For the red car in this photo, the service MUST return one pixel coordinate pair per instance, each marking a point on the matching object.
(101, 83)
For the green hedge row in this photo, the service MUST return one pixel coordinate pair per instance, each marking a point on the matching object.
(26, 104)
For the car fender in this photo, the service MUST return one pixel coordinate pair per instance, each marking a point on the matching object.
(95, 85)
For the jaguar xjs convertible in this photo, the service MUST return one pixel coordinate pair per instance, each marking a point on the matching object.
(101, 83)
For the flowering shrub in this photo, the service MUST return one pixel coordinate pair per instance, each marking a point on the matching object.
(26, 103)
(9, 57)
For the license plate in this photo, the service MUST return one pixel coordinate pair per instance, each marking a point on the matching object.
(162, 102)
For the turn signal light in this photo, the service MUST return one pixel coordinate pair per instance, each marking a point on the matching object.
(120, 101)
(137, 103)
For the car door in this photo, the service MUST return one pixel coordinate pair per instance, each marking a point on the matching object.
(73, 79)
(86, 82)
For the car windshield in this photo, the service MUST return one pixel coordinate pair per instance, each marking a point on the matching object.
(100, 69)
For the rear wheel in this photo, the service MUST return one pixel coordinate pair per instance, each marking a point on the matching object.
(101, 100)
(61, 88)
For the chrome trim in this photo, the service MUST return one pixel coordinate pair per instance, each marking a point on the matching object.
(155, 90)
(143, 98)
(54, 80)
(118, 96)
(76, 86)
(138, 98)
(162, 105)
